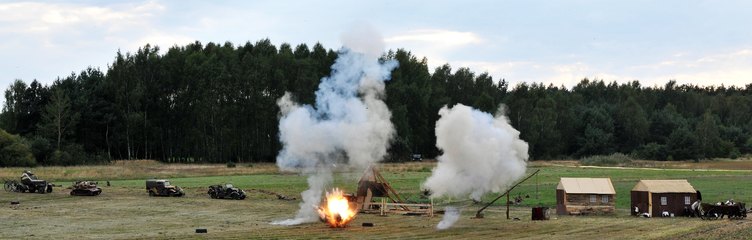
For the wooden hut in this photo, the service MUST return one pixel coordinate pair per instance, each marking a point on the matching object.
(585, 196)
(662, 197)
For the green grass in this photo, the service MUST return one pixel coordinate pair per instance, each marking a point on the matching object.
(715, 185)
(124, 211)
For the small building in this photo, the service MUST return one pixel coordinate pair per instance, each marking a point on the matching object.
(662, 197)
(575, 196)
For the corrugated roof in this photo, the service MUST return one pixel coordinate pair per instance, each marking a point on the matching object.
(586, 185)
(664, 186)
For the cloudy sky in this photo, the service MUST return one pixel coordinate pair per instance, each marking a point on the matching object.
(559, 42)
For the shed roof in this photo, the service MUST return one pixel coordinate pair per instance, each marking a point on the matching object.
(586, 185)
(664, 186)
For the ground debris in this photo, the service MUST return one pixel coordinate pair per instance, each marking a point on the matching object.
(279, 196)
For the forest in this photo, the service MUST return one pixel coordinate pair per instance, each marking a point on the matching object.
(216, 103)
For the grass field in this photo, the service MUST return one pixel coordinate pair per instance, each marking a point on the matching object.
(124, 211)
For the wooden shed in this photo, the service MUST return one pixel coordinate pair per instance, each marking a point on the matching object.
(658, 196)
(585, 196)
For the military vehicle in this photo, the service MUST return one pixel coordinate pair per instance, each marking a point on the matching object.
(85, 188)
(162, 187)
(226, 191)
(30, 183)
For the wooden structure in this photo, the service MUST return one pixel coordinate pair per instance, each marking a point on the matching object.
(575, 196)
(662, 197)
(479, 214)
(372, 185)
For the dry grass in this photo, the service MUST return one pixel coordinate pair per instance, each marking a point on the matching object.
(124, 211)
(127, 213)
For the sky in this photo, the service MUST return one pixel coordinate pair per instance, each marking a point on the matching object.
(551, 42)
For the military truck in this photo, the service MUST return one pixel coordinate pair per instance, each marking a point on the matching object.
(226, 191)
(162, 187)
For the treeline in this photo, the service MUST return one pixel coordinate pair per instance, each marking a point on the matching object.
(217, 103)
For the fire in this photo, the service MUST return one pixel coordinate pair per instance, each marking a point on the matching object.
(336, 211)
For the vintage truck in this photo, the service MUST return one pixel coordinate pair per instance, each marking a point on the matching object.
(162, 187)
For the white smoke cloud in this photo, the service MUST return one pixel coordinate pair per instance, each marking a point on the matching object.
(451, 215)
(482, 154)
(349, 126)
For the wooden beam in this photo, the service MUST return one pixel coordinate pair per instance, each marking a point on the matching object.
(478, 214)
(383, 181)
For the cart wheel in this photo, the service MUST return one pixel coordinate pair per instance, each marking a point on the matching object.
(712, 214)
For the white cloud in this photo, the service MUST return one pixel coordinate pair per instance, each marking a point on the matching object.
(435, 38)
(163, 40)
(50, 18)
(438, 46)
(725, 68)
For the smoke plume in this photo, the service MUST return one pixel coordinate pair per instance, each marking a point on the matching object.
(349, 126)
(451, 215)
(481, 154)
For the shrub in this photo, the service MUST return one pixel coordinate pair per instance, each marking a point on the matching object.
(41, 148)
(651, 151)
(230, 164)
(14, 152)
(616, 159)
(69, 155)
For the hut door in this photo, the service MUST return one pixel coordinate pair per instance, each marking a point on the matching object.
(639, 200)
(561, 206)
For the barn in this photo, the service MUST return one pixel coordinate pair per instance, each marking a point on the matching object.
(662, 197)
(576, 196)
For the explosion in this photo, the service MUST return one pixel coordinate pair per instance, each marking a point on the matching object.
(349, 125)
(336, 211)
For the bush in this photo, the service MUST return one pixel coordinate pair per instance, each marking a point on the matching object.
(41, 148)
(14, 152)
(748, 145)
(230, 164)
(616, 159)
(70, 155)
(651, 151)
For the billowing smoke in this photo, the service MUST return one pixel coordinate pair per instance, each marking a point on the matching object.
(451, 215)
(348, 127)
(481, 154)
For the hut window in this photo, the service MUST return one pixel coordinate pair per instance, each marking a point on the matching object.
(592, 198)
(664, 201)
(604, 199)
(686, 200)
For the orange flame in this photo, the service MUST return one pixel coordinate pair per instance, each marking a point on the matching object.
(336, 211)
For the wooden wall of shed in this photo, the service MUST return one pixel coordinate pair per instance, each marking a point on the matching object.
(675, 203)
(569, 203)
(584, 199)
